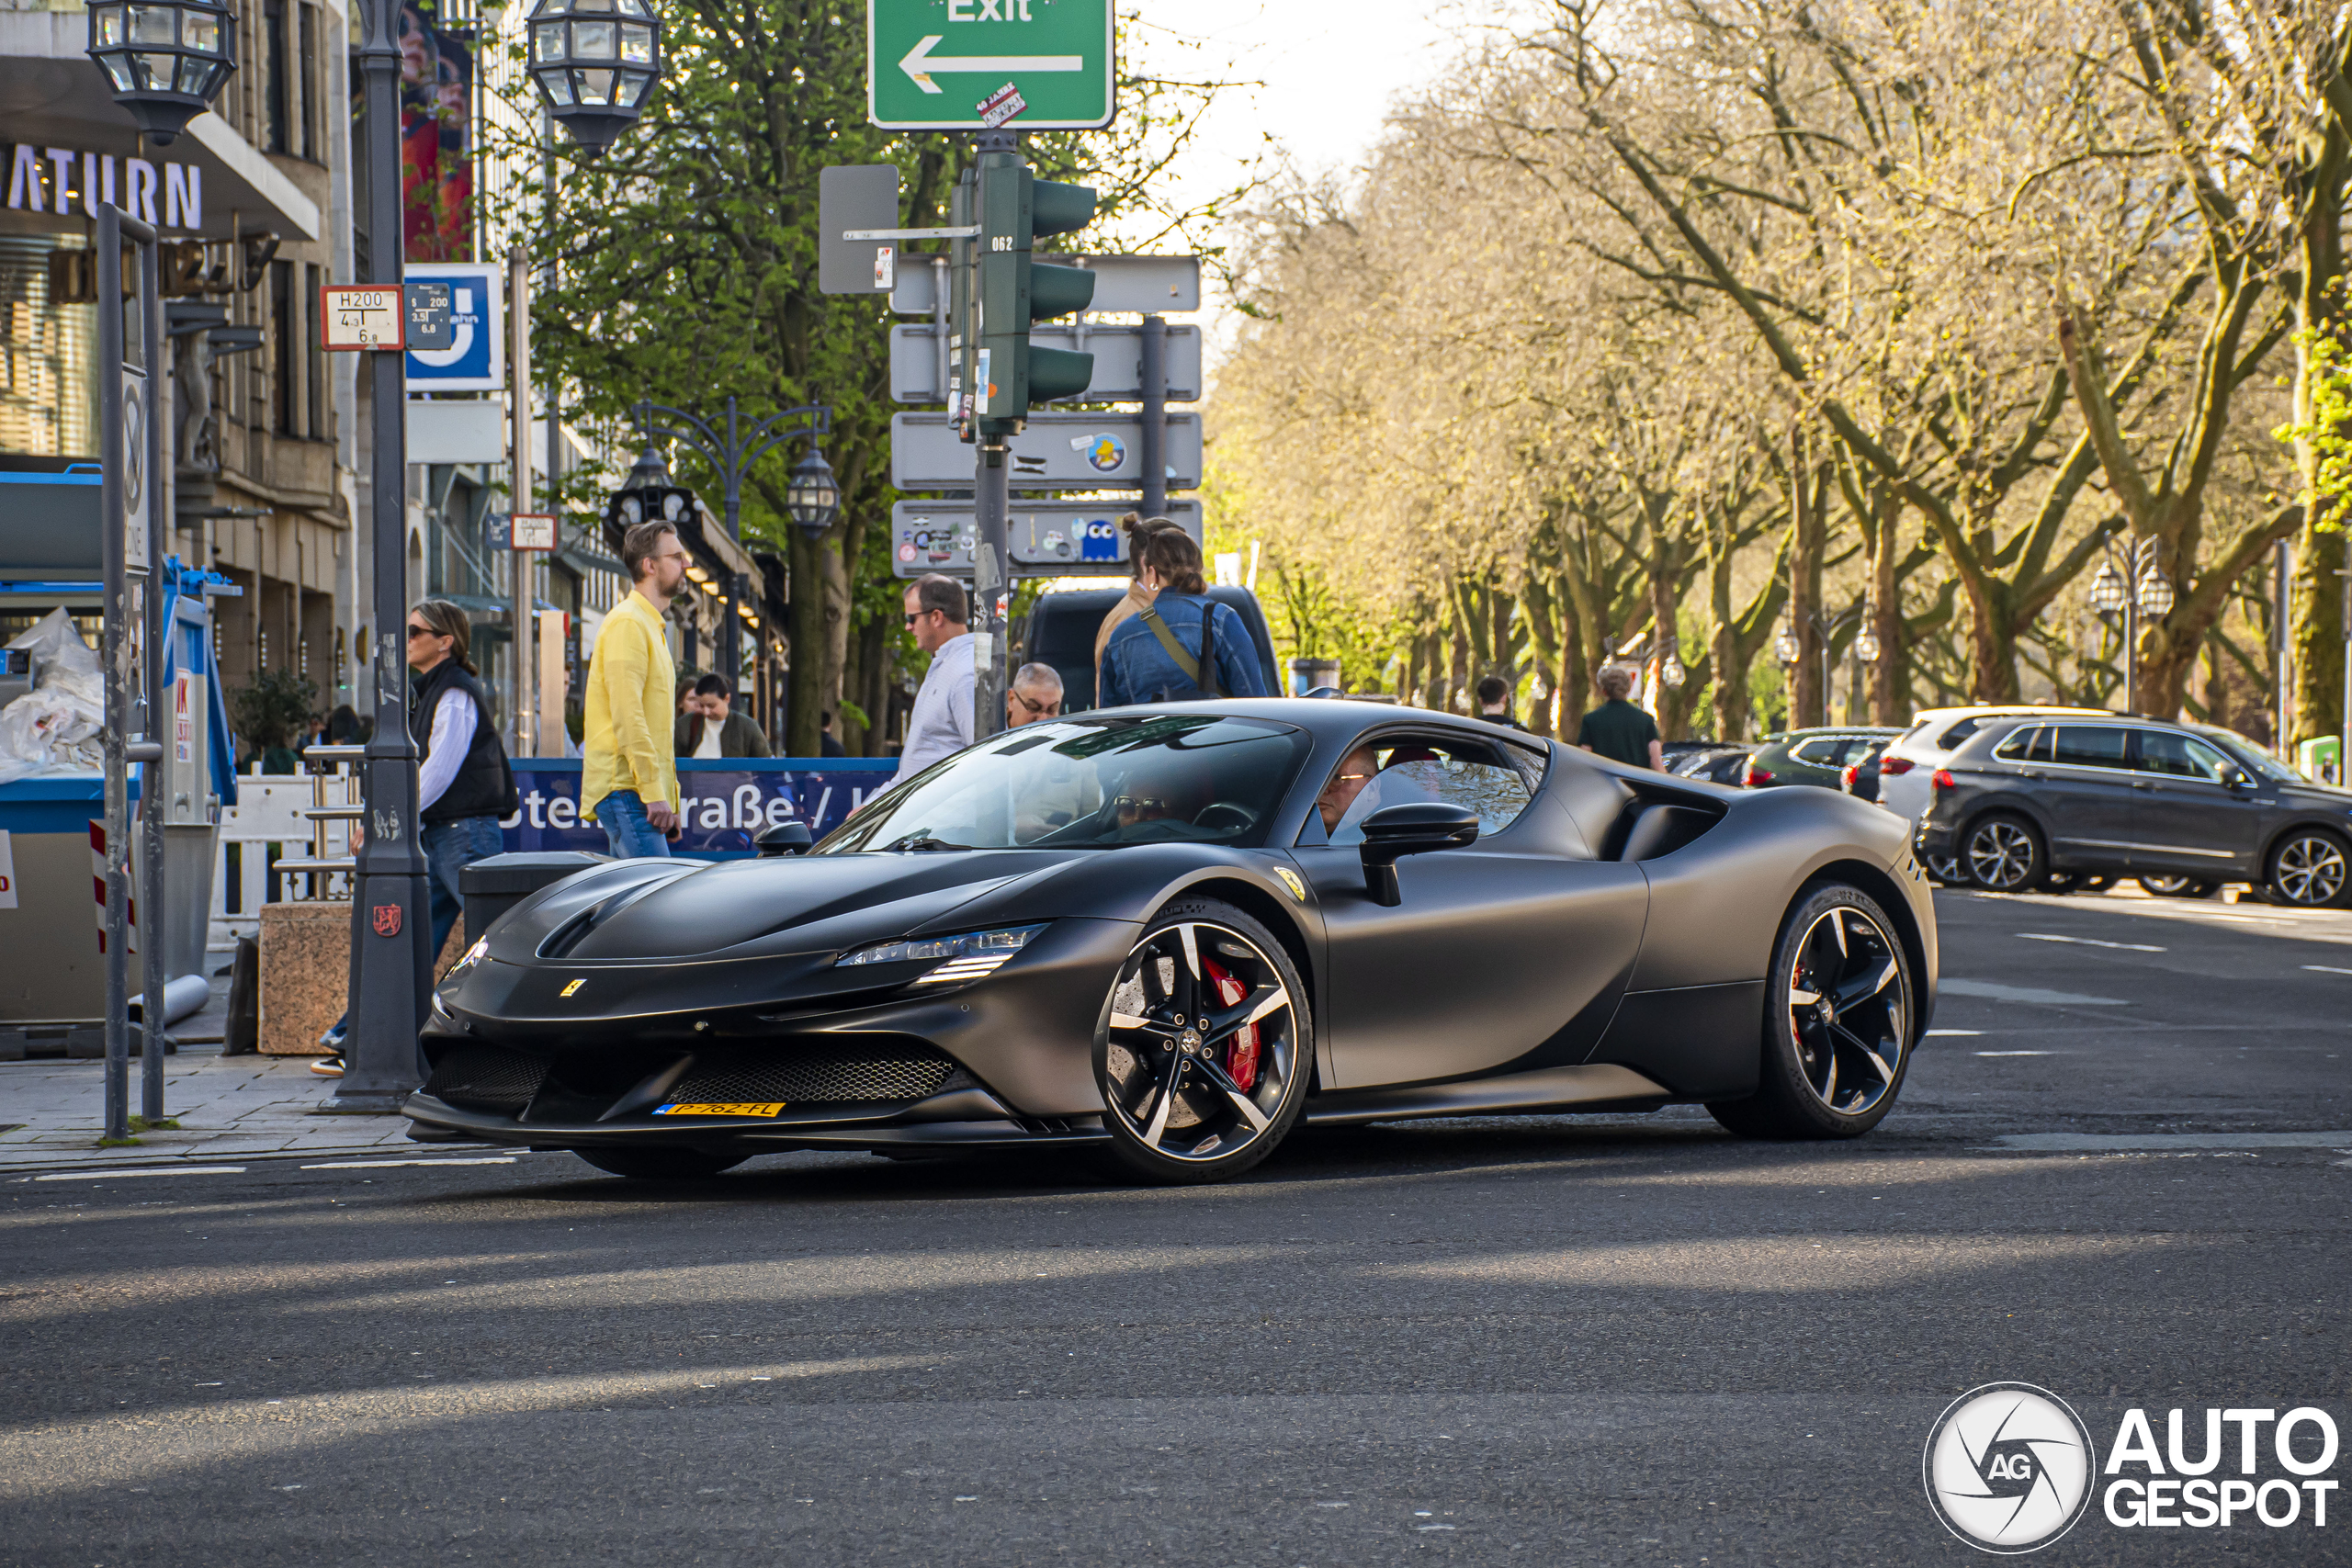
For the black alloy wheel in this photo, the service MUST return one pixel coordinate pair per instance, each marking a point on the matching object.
(660, 1165)
(2177, 886)
(2004, 854)
(1837, 1022)
(2310, 869)
(1205, 1049)
(1945, 871)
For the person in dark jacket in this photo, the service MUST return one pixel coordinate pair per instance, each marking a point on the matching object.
(707, 728)
(828, 743)
(1155, 656)
(1494, 702)
(464, 785)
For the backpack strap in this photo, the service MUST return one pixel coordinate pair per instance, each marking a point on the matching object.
(1184, 662)
(1208, 681)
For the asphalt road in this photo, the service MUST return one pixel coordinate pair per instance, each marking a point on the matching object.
(1548, 1340)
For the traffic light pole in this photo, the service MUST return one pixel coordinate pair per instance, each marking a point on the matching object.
(991, 588)
(390, 929)
(1154, 453)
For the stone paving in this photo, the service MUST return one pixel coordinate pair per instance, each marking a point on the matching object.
(53, 1112)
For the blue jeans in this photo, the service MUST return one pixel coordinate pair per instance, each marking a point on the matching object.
(625, 829)
(450, 848)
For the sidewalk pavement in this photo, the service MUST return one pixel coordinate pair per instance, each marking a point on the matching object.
(53, 1112)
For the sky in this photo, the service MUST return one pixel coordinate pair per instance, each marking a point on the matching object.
(1328, 68)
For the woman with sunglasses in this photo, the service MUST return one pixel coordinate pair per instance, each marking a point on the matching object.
(464, 785)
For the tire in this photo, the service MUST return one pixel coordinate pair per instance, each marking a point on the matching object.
(2311, 868)
(1837, 1022)
(660, 1165)
(1945, 871)
(2003, 854)
(2176, 886)
(1187, 1104)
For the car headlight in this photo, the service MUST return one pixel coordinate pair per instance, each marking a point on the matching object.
(472, 956)
(964, 958)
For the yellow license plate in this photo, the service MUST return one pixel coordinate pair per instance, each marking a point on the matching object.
(687, 1110)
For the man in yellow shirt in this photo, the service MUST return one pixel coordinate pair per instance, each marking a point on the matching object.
(628, 779)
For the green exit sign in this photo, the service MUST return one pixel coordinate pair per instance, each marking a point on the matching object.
(989, 64)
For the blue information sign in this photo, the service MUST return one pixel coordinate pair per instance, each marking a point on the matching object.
(724, 802)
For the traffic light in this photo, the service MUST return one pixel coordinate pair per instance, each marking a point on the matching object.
(1010, 290)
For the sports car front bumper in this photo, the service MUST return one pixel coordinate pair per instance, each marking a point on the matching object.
(1007, 1058)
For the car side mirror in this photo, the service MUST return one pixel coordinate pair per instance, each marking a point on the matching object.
(784, 838)
(1414, 828)
(2237, 778)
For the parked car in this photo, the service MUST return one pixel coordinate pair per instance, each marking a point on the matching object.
(1061, 632)
(2140, 797)
(1809, 756)
(1913, 757)
(1861, 777)
(1717, 761)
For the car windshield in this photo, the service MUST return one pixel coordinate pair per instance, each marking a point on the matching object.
(1090, 783)
(2252, 755)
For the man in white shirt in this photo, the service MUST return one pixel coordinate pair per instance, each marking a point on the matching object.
(940, 724)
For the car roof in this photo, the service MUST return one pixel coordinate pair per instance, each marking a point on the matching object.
(1928, 716)
(1330, 718)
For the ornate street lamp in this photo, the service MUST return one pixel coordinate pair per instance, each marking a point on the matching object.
(811, 495)
(596, 62)
(647, 495)
(2108, 590)
(1786, 645)
(165, 59)
(2155, 593)
(1866, 647)
(1671, 673)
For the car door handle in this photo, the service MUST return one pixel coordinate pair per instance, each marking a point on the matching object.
(2138, 785)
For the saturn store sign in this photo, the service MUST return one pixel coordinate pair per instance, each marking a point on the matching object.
(70, 182)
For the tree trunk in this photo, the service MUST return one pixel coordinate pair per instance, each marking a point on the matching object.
(1544, 650)
(1808, 704)
(805, 674)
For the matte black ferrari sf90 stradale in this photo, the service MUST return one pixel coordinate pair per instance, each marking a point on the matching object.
(1171, 933)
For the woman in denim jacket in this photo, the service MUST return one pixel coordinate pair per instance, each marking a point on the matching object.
(1155, 656)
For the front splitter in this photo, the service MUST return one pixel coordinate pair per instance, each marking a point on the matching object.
(738, 1133)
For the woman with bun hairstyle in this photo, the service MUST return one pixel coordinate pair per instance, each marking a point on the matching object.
(1139, 530)
(1181, 645)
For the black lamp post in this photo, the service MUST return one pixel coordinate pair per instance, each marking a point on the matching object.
(391, 968)
(731, 447)
(596, 62)
(165, 60)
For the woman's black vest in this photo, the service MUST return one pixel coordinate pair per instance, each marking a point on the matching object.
(485, 785)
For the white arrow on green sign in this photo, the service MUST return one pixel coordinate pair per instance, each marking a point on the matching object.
(989, 64)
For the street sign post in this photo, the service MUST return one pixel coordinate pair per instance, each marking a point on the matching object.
(989, 64)
(473, 357)
(1053, 539)
(915, 360)
(1057, 451)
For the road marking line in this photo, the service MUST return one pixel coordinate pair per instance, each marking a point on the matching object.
(2088, 942)
(145, 1170)
(2326, 969)
(2013, 1053)
(2092, 1142)
(1992, 992)
(389, 1164)
(1971, 1034)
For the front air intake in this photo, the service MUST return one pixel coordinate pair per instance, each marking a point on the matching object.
(486, 1078)
(823, 1074)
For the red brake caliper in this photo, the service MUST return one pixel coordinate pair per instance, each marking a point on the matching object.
(1241, 1056)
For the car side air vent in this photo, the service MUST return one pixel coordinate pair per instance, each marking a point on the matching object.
(1653, 829)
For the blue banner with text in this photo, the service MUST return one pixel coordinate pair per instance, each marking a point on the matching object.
(724, 802)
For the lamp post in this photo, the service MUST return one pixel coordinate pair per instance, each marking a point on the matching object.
(730, 448)
(390, 966)
(165, 59)
(2145, 591)
(596, 61)
(1789, 648)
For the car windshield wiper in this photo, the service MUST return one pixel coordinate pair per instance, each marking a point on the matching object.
(921, 842)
